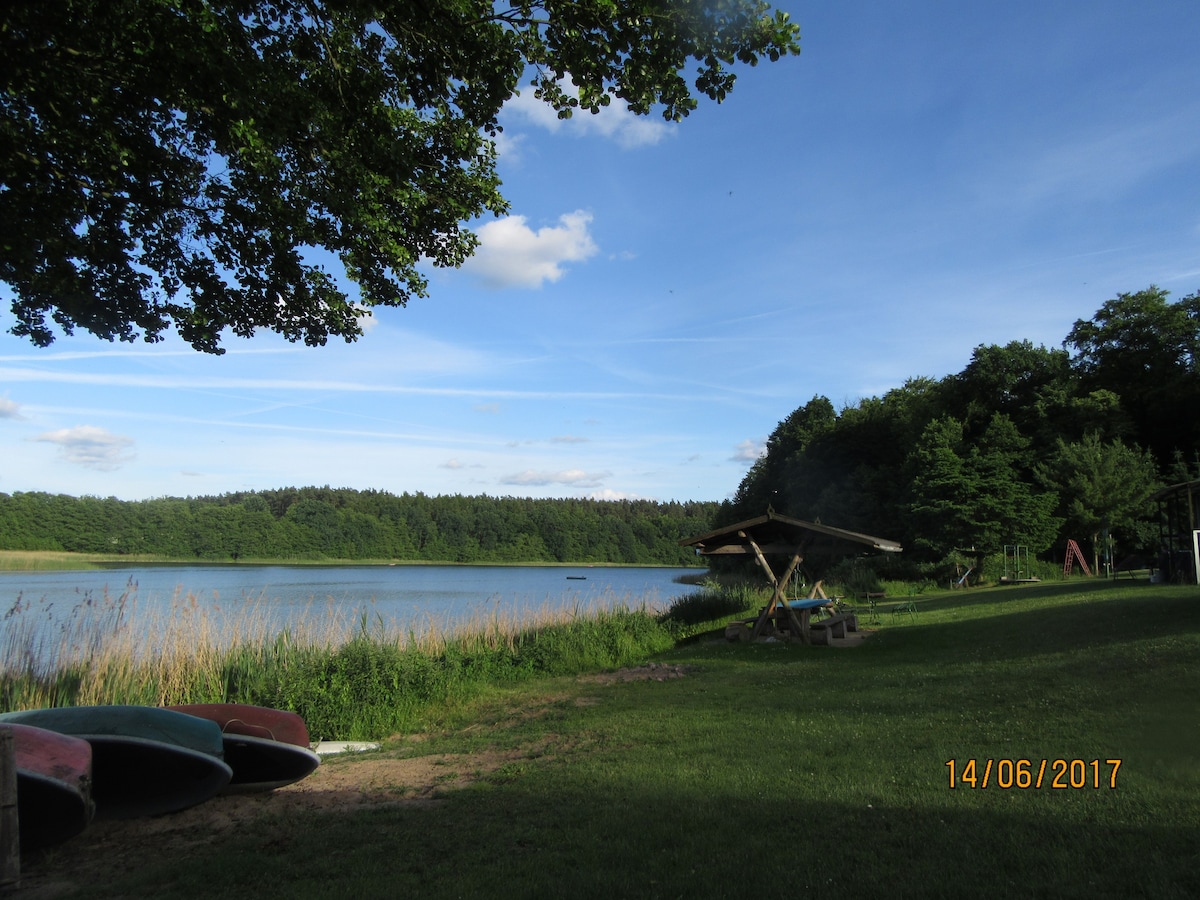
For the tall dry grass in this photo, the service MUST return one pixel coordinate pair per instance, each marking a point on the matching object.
(351, 672)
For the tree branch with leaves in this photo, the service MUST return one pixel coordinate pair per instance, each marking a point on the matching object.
(176, 163)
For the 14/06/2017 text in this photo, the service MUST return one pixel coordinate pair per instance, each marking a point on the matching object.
(1022, 774)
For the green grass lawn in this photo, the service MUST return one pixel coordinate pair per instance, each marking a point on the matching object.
(774, 770)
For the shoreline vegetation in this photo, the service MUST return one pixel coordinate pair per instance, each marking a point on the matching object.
(351, 676)
(749, 740)
(63, 560)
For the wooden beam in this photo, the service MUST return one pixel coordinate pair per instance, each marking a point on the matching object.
(799, 622)
(762, 560)
(10, 835)
(776, 549)
(765, 616)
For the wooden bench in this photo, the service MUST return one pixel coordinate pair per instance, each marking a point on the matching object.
(740, 630)
(825, 631)
(837, 626)
(834, 624)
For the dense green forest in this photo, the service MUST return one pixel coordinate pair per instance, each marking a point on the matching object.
(330, 523)
(1026, 445)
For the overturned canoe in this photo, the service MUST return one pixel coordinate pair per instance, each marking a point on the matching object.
(54, 784)
(146, 761)
(266, 748)
(252, 721)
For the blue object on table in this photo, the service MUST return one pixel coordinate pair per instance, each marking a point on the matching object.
(807, 604)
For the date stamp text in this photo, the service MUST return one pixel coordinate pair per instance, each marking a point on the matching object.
(1032, 774)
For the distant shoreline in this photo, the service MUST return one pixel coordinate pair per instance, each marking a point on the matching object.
(61, 560)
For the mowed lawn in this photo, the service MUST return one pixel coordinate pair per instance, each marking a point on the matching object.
(772, 770)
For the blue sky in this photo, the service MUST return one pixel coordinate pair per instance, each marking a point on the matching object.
(924, 178)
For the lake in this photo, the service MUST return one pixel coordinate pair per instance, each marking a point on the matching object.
(39, 607)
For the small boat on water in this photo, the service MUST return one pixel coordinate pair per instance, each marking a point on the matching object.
(54, 784)
(266, 748)
(146, 761)
(576, 578)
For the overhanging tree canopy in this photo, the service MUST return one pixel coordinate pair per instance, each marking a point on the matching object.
(174, 162)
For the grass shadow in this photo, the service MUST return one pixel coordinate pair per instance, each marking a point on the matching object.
(567, 836)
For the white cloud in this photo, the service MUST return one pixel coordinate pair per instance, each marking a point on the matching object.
(511, 254)
(10, 409)
(455, 464)
(749, 451)
(509, 146)
(610, 494)
(572, 477)
(366, 318)
(568, 439)
(614, 122)
(90, 447)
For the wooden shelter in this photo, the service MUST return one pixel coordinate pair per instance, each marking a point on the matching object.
(775, 535)
(1179, 532)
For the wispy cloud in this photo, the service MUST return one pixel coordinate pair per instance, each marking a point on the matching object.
(749, 451)
(90, 447)
(170, 382)
(456, 464)
(10, 409)
(614, 122)
(138, 352)
(570, 477)
(511, 254)
(568, 439)
(1093, 163)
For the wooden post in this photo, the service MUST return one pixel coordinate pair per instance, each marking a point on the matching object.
(10, 836)
(761, 624)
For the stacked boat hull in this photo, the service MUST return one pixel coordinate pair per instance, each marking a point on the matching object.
(54, 784)
(146, 761)
(122, 762)
(266, 748)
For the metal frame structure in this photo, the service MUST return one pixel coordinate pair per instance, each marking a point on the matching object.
(1179, 532)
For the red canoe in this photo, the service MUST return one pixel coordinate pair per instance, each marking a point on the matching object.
(252, 721)
(266, 748)
(54, 784)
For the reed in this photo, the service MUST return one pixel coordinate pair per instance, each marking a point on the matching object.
(67, 560)
(351, 675)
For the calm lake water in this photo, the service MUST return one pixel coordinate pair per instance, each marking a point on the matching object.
(39, 607)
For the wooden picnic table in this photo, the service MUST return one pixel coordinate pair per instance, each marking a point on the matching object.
(791, 616)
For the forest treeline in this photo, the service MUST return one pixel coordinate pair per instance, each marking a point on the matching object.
(1025, 446)
(313, 523)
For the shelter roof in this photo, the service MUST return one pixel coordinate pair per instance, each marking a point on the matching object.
(779, 534)
(1177, 490)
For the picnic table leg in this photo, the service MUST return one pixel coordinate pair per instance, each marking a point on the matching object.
(763, 618)
(798, 619)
